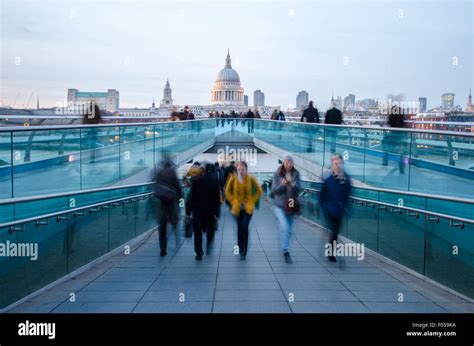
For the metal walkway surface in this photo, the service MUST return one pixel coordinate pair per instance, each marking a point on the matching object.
(143, 282)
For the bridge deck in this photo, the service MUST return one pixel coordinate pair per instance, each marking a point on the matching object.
(144, 282)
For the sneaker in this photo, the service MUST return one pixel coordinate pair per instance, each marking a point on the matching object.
(287, 258)
(198, 258)
(332, 259)
(163, 253)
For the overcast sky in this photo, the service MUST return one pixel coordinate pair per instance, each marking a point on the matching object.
(369, 48)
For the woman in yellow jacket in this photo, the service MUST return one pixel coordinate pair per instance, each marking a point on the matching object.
(242, 192)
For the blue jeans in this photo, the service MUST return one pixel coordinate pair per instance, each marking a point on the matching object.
(286, 225)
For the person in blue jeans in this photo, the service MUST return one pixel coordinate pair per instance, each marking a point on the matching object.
(286, 185)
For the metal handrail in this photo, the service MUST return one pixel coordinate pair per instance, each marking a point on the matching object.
(70, 211)
(61, 127)
(419, 194)
(410, 193)
(70, 193)
(438, 132)
(72, 127)
(408, 209)
(399, 192)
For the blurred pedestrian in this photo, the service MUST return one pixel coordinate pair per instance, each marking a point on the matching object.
(393, 140)
(310, 114)
(250, 116)
(286, 186)
(194, 172)
(92, 116)
(168, 191)
(334, 199)
(243, 192)
(333, 117)
(205, 204)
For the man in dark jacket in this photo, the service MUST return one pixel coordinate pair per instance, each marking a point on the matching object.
(188, 114)
(333, 117)
(229, 170)
(250, 116)
(220, 175)
(334, 199)
(310, 114)
(205, 203)
(168, 191)
(274, 115)
(394, 140)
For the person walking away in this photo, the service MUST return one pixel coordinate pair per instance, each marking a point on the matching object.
(333, 117)
(286, 186)
(168, 191)
(228, 171)
(242, 192)
(193, 172)
(310, 115)
(92, 116)
(274, 115)
(220, 176)
(249, 118)
(334, 199)
(281, 116)
(395, 139)
(205, 204)
(188, 114)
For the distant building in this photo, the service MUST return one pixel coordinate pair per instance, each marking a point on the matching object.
(469, 106)
(349, 101)
(108, 101)
(422, 101)
(302, 99)
(258, 98)
(246, 100)
(227, 89)
(447, 101)
(167, 100)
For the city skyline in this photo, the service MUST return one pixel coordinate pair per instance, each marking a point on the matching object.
(356, 57)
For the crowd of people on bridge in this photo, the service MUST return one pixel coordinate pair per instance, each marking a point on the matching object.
(208, 188)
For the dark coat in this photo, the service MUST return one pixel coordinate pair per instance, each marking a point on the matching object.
(250, 115)
(334, 197)
(92, 117)
(227, 171)
(167, 175)
(205, 197)
(189, 115)
(311, 115)
(333, 116)
(396, 120)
